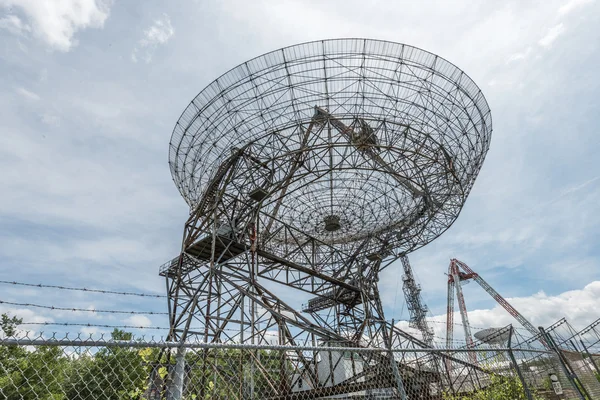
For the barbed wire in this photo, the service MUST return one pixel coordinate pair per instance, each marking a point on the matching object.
(93, 325)
(89, 325)
(149, 295)
(83, 309)
(83, 289)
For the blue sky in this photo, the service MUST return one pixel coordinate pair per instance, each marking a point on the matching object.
(91, 90)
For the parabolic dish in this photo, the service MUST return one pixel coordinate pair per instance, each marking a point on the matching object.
(493, 335)
(370, 139)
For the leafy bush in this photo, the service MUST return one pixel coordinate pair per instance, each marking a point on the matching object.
(500, 388)
(50, 374)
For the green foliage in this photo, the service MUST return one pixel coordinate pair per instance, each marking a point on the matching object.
(9, 325)
(113, 372)
(120, 373)
(547, 384)
(225, 373)
(500, 388)
(47, 373)
(26, 374)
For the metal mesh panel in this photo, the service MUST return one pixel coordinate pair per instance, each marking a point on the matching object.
(576, 357)
(54, 368)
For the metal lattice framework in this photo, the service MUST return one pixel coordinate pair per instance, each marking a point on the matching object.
(414, 302)
(314, 167)
(429, 123)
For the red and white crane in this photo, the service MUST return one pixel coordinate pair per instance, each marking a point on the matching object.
(459, 272)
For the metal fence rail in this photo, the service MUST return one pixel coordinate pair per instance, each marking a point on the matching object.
(123, 367)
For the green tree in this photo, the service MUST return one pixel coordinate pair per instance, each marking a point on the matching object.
(120, 373)
(9, 324)
(232, 373)
(49, 373)
(111, 373)
(26, 374)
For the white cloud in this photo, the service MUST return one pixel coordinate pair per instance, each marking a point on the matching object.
(272, 337)
(578, 306)
(14, 25)
(519, 56)
(28, 94)
(56, 22)
(552, 35)
(26, 316)
(159, 33)
(138, 320)
(572, 5)
(91, 331)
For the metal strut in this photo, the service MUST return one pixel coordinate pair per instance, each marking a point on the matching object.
(367, 145)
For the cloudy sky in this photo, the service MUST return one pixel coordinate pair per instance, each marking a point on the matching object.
(91, 90)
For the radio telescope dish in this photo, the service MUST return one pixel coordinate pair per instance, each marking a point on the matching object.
(352, 139)
(314, 167)
(493, 335)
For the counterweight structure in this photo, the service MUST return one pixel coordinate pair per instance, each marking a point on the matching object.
(414, 302)
(459, 272)
(309, 170)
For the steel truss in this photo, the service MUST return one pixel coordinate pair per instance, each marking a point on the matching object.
(415, 304)
(311, 169)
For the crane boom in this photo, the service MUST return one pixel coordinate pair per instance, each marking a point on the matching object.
(450, 314)
(459, 271)
(499, 299)
(454, 278)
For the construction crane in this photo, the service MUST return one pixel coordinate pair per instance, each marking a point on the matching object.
(415, 304)
(459, 272)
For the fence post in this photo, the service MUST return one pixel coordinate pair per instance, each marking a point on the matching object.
(176, 387)
(399, 383)
(577, 385)
(590, 356)
(514, 361)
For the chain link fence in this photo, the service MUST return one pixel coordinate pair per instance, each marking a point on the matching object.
(123, 367)
(577, 359)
